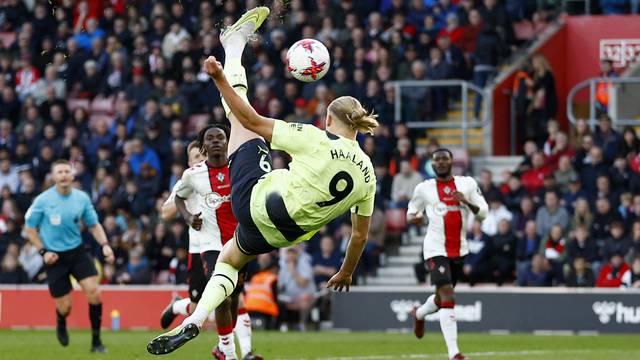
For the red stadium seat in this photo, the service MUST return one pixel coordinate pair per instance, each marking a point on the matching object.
(395, 220)
(101, 105)
(73, 104)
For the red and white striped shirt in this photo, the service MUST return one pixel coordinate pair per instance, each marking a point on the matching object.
(212, 189)
(447, 229)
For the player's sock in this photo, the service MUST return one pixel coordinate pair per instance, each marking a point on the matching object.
(237, 77)
(95, 315)
(181, 307)
(449, 328)
(243, 331)
(429, 307)
(61, 320)
(226, 341)
(219, 287)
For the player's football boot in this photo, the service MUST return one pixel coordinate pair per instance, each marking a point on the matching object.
(418, 324)
(62, 335)
(245, 26)
(98, 349)
(167, 314)
(250, 356)
(460, 357)
(218, 354)
(172, 340)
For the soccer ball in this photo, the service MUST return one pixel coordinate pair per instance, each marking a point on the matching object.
(308, 60)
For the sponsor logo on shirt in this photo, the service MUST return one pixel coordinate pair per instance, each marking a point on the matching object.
(441, 209)
(214, 200)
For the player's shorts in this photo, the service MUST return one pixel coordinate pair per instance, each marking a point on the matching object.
(247, 165)
(201, 267)
(76, 262)
(445, 270)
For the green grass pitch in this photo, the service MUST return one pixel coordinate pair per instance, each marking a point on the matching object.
(42, 345)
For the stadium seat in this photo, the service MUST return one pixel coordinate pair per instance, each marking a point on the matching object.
(73, 104)
(7, 38)
(101, 105)
(395, 220)
(196, 122)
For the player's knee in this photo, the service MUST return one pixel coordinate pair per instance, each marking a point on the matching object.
(93, 294)
(225, 305)
(63, 305)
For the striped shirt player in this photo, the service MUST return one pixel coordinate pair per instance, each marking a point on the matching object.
(447, 202)
(447, 231)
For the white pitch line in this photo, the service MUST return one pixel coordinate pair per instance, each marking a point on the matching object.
(440, 356)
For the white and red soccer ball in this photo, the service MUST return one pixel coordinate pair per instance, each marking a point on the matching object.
(308, 60)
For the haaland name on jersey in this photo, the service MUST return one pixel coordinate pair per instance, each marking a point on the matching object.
(340, 155)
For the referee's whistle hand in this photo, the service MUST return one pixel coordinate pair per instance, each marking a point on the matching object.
(50, 258)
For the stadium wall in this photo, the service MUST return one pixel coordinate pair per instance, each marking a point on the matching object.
(364, 308)
(543, 310)
(574, 54)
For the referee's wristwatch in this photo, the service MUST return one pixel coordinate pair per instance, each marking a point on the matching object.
(43, 251)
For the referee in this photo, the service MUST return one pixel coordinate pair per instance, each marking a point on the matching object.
(53, 227)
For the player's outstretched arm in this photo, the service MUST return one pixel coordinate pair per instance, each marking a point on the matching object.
(359, 235)
(247, 116)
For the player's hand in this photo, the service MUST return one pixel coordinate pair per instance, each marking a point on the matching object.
(213, 67)
(195, 221)
(460, 197)
(340, 281)
(50, 258)
(107, 251)
(416, 219)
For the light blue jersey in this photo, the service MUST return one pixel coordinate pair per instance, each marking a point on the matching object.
(58, 218)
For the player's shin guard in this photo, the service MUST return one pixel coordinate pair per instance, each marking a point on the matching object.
(237, 77)
(219, 287)
(449, 327)
(429, 307)
(243, 331)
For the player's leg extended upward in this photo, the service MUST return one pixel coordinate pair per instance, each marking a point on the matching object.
(225, 277)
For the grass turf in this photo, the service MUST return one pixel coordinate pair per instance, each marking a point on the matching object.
(27, 344)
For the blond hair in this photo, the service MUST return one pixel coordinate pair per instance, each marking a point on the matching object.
(349, 111)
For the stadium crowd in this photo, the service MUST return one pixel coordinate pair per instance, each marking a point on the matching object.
(118, 90)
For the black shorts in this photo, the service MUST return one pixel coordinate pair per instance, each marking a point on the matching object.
(445, 270)
(247, 165)
(201, 267)
(76, 262)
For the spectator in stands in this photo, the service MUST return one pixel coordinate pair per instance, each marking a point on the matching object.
(533, 179)
(612, 272)
(261, 291)
(8, 175)
(630, 143)
(527, 245)
(617, 242)
(497, 213)
(503, 250)
(489, 49)
(326, 263)
(140, 154)
(582, 216)
(536, 274)
(551, 214)
(544, 85)
(515, 194)
(296, 284)
(486, 184)
(476, 267)
(580, 274)
(12, 272)
(607, 139)
(565, 173)
(553, 249)
(631, 278)
(403, 184)
(602, 220)
(524, 214)
(137, 270)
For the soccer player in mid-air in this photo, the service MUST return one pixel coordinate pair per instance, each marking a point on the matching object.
(329, 175)
(203, 199)
(53, 227)
(447, 201)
